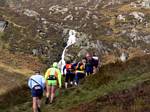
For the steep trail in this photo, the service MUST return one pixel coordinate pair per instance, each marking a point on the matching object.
(111, 78)
(95, 18)
(110, 84)
(127, 92)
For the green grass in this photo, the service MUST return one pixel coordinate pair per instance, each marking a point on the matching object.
(1, 34)
(110, 79)
(82, 95)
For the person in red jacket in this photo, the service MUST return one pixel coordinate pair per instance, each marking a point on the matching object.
(69, 75)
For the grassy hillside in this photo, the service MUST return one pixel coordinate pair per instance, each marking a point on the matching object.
(112, 80)
(100, 29)
(14, 72)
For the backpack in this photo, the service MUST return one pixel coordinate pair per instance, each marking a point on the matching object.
(69, 68)
(80, 66)
(52, 74)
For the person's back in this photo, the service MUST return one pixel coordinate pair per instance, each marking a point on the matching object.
(96, 61)
(80, 71)
(53, 77)
(69, 67)
(91, 64)
(96, 64)
(80, 67)
(69, 77)
(37, 84)
(36, 80)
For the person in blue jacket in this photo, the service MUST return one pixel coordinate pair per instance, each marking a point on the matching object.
(37, 84)
(91, 64)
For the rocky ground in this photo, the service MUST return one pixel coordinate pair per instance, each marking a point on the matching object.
(107, 26)
(38, 29)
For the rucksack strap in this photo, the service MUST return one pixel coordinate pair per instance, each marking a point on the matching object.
(35, 81)
(52, 75)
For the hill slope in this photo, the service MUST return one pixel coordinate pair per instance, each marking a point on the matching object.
(118, 86)
(15, 70)
(105, 26)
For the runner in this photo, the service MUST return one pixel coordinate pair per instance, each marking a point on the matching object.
(37, 84)
(80, 71)
(69, 75)
(91, 65)
(53, 77)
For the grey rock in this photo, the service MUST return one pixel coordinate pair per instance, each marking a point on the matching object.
(147, 51)
(55, 9)
(121, 17)
(124, 56)
(35, 52)
(94, 17)
(146, 3)
(146, 39)
(82, 52)
(138, 15)
(133, 4)
(3, 25)
(30, 13)
(69, 17)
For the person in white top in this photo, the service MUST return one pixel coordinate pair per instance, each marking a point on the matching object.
(37, 84)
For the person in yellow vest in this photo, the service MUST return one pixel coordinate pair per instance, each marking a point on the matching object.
(53, 78)
(80, 71)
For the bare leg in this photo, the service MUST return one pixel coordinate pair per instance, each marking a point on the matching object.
(66, 85)
(38, 102)
(52, 93)
(47, 91)
(47, 94)
(94, 70)
(34, 104)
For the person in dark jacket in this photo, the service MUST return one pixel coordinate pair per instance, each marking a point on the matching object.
(80, 71)
(91, 64)
(69, 73)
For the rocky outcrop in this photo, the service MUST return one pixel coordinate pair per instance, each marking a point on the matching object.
(146, 3)
(30, 13)
(3, 25)
(104, 26)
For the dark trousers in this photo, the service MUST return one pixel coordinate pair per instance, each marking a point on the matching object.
(69, 77)
(79, 76)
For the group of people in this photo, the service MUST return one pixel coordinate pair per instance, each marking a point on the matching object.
(73, 72)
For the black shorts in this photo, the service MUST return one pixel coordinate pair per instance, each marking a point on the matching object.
(37, 91)
(69, 77)
(80, 75)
